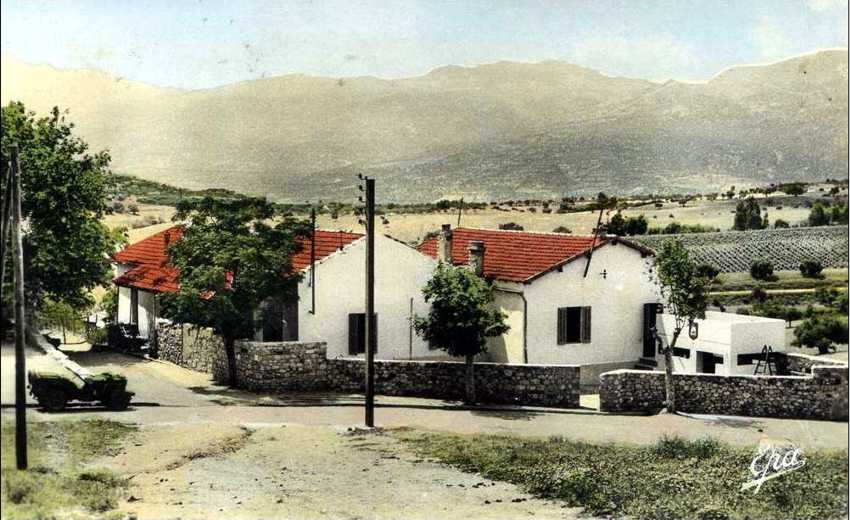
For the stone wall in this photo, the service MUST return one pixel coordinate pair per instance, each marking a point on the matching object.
(290, 366)
(802, 364)
(820, 395)
(195, 348)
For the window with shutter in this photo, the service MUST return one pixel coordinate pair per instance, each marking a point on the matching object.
(573, 325)
(585, 324)
(357, 333)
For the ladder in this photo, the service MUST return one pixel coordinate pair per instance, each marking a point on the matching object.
(766, 363)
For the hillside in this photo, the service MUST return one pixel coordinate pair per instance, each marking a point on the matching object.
(500, 130)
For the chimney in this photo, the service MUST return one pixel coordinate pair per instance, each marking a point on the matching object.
(476, 256)
(444, 244)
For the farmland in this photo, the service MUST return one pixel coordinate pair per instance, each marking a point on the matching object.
(734, 251)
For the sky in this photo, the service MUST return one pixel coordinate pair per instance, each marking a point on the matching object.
(203, 43)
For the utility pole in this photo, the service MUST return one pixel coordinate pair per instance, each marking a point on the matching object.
(20, 324)
(313, 260)
(370, 321)
(459, 211)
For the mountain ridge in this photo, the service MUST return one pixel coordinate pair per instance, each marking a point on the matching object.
(540, 129)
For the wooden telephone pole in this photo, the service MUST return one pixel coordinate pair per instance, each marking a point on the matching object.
(370, 321)
(20, 317)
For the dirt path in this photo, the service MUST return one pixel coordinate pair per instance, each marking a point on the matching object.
(227, 471)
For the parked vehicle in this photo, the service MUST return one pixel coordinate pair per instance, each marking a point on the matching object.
(54, 391)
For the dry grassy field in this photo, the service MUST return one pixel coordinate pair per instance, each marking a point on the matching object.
(412, 227)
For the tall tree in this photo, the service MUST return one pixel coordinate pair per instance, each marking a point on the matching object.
(66, 246)
(232, 257)
(748, 215)
(684, 287)
(461, 318)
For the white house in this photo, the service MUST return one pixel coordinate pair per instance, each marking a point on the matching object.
(330, 303)
(557, 314)
(726, 344)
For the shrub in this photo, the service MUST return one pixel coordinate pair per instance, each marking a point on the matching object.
(811, 269)
(562, 229)
(759, 294)
(821, 332)
(780, 224)
(513, 226)
(707, 270)
(677, 448)
(826, 296)
(133, 209)
(840, 303)
(762, 270)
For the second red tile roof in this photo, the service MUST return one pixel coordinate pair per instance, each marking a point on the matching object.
(515, 256)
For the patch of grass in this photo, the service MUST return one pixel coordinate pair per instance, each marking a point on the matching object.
(784, 280)
(674, 479)
(59, 479)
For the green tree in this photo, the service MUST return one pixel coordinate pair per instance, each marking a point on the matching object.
(231, 259)
(684, 287)
(66, 247)
(762, 270)
(794, 188)
(60, 316)
(461, 318)
(838, 214)
(821, 332)
(616, 225)
(780, 224)
(748, 215)
(818, 216)
(811, 269)
(637, 225)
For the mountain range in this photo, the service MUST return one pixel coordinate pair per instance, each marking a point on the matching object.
(503, 130)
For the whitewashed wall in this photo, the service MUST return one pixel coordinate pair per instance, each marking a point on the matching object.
(726, 335)
(401, 272)
(616, 301)
(146, 306)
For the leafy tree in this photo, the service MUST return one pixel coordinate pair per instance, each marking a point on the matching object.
(762, 270)
(66, 246)
(818, 216)
(461, 317)
(60, 316)
(637, 226)
(513, 226)
(748, 215)
(811, 269)
(685, 291)
(616, 225)
(780, 224)
(231, 259)
(794, 188)
(707, 270)
(838, 214)
(821, 332)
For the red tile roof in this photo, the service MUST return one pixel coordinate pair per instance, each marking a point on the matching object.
(514, 256)
(151, 272)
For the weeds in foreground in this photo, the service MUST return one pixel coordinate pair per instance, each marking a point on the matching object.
(58, 479)
(673, 479)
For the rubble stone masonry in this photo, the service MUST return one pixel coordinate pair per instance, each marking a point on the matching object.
(820, 393)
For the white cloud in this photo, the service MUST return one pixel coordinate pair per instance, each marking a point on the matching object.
(826, 5)
(771, 40)
(658, 59)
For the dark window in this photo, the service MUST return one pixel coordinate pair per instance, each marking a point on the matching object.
(749, 359)
(682, 352)
(134, 306)
(573, 325)
(357, 332)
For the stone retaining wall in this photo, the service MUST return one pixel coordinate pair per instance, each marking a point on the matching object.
(302, 367)
(801, 363)
(195, 348)
(821, 395)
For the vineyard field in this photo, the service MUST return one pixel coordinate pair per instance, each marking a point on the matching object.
(734, 251)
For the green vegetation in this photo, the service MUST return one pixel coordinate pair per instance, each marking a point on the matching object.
(60, 477)
(252, 262)
(619, 225)
(748, 215)
(64, 198)
(811, 269)
(821, 332)
(684, 286)
(762, 270)
(149, 192)
(461, 317)
(675, 228)
(674, 479)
